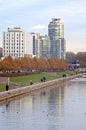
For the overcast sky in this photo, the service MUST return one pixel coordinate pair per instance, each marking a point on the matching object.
(35, 15)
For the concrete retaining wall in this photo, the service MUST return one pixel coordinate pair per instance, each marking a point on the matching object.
(19, 91)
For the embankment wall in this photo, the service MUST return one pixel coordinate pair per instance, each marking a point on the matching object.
(20, 91)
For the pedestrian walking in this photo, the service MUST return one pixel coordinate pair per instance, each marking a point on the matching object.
(41, 80)
(31, 82)
(7, 87)
(44, 79)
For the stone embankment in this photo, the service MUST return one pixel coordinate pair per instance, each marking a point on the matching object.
(20, 91)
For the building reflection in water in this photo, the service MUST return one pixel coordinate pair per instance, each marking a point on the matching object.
(50, 101)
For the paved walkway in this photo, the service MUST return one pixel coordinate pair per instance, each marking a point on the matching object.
(52, 73)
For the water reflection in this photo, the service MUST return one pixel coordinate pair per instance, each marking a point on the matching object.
(52, 108)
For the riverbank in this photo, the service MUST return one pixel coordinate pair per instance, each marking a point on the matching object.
(20, 91)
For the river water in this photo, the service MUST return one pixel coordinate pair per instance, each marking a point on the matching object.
(52, 108)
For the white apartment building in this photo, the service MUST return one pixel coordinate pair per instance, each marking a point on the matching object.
(17, 43)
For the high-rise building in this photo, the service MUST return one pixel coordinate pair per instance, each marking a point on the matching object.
(57, 41)
(17, 43)
(0, 52)
(36, 44)
(45, 47)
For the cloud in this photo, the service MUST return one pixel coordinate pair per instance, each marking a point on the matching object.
(10, 5)
(39, 27)
(8, 21)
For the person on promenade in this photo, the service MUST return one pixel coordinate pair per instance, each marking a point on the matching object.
(44, 79)
(41, 80)
(31, 82)
(7, 87)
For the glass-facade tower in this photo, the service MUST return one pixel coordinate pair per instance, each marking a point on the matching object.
(45, 47)
(57, 41)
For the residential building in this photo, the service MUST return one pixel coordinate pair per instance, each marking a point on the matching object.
(36, 44)
(17, 43)
(0, 52)
(45, 47)
(57, 41)
(61, 48)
